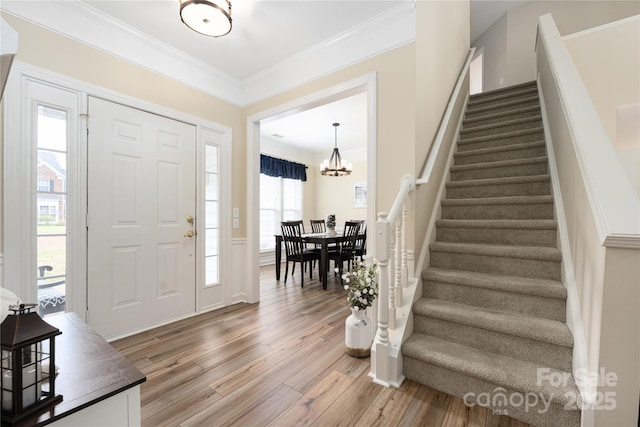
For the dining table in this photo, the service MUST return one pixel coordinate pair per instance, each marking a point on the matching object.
(324, 240)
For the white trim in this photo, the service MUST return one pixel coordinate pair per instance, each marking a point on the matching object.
(1, 270)
(602, 27)
(387, 31)
(18, 226)
(87, 25)
(574, 316)
(616, 213)
(436, 212)
(425, 173)
(364, 83)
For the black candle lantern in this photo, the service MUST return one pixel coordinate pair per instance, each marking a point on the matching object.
(28, 363)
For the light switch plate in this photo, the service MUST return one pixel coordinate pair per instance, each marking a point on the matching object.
(236, 213)
(236, 223)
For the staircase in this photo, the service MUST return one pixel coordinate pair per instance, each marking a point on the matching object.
(490, 327)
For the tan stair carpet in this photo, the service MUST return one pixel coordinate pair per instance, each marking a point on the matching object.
(490, 327)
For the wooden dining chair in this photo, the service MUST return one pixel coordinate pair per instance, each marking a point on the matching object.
(295, 249)
(361, 241)
(346, 248)
(318, 226)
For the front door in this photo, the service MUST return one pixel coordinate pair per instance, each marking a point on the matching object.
(141, 198)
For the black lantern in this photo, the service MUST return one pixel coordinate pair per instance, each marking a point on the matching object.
(28, 363)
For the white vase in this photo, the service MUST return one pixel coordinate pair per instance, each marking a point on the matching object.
(357, 334)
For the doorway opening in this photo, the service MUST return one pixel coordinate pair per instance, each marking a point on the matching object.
(365, 84)
(476, 78)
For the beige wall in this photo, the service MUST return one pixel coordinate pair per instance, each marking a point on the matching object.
(335, 194)
(570, 17)
(597, 63)
(395, 71)
(437, 67)
(396, 86)
(495, 54)
(51, 51)
(607, 280)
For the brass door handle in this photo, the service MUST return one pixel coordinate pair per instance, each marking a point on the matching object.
(190, 219)
(190, 233)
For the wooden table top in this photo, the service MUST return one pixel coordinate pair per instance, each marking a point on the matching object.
(90, 370)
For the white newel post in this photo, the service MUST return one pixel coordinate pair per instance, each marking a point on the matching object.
(380, 356)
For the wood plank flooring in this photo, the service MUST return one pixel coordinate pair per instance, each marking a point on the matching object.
(280, 362)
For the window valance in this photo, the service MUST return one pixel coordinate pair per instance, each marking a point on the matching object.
(272, 166)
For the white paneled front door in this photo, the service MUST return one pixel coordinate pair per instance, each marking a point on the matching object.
(141, 192)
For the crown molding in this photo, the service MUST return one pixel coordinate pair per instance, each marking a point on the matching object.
(85, 24)
(377, 35)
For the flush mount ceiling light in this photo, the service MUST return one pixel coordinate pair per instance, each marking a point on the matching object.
(336, 165)
(211, 18)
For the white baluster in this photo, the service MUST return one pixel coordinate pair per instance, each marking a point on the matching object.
(405, 272)
(398, 266)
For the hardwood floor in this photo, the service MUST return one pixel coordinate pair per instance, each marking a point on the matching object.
(278, 363)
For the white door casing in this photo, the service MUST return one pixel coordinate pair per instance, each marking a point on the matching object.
(142, 188)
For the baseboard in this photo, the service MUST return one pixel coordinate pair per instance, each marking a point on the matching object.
(574, 315)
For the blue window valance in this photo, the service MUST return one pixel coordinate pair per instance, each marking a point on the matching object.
(284, 168)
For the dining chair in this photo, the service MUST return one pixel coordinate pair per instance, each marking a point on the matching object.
(295, 249)
(346, 248)
(318, 226)
(361, 241)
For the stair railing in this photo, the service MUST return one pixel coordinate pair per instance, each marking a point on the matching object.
(395, 260)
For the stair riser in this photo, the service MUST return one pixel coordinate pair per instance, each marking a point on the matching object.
(500, 155)
(473, 112)
(500, 172)
(470, 133)
(530, 305)
(541, 188)
(477, 121)
(461, 385)
(466, 145)
(541, 211)
(497, 236)
(497, 101)
(539, 352)
(521, 267)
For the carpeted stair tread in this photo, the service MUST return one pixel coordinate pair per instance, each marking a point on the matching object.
(505, 371)
(499, 164)
(499, 181)
(512, 88)
(477, 109)
(500, 282)
(502, 114)
(472, 129)
(530, 327)
(497, 97)
(504, 135)
(509, 251)
(512, 224)
(510, 200)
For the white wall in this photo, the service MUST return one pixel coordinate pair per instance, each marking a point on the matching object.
(616, 99)
(509, 44)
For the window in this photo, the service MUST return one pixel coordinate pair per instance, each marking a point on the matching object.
(51, 198)
(45, 185)
(212, 214)
(280, 200)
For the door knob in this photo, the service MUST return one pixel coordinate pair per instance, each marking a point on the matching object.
(190, 219)
(190, 233)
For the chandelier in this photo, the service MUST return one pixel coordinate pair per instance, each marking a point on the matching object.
(211, 18)
(336, 165)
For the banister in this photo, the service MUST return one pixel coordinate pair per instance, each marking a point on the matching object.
(395, 261)
(444, 122)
